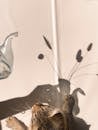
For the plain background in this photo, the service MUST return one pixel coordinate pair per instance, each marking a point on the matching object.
(77, 27)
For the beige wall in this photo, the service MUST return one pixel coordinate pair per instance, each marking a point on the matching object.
(77, 27)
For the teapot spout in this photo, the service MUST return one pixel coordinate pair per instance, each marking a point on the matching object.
(10, 36)
(6, 56)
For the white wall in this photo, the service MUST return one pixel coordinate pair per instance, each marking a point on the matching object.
(77, 25)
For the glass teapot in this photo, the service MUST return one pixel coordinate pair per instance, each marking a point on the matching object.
(6, 56)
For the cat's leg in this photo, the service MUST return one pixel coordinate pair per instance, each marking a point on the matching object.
(15, 124)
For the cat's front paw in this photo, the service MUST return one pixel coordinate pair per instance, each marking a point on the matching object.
(15, 124)
(10, 122)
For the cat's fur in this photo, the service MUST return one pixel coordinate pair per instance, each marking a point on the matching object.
(15, 124)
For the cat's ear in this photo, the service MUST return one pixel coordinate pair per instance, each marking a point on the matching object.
(57, 120)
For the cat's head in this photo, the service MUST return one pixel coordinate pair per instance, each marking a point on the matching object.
(47, 117)
(40, 113)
